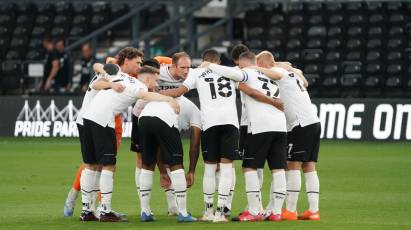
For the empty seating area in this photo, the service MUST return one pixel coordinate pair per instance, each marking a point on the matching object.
(350, 49)
(23, 26)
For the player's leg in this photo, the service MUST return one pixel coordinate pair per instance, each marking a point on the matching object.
(105, 145)
(256, 149)
(172, 155)
(312, 183)
(241, 146)
(277, 164)
(135, 147)
(87, 179)
(295, 156)
(210, 156)
(148, 156)
(118, 129)
(73, 193)
(172, 209)
(227, 139)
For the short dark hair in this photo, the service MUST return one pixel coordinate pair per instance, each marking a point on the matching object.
(148, 70)
(129, 53)
(211, 55)
(238, 50)
(248, 55)
(151, 62)
(176, 57)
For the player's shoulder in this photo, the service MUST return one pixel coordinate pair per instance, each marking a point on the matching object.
(279, 70)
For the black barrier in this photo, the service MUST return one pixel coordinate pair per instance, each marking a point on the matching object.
(349, 119)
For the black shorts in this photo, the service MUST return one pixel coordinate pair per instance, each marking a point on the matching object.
(241, 142)
(81, 137)
(220, 141)
(135, 140)
(99, 144)
(270, 146)
(304, 143)
(154, 134)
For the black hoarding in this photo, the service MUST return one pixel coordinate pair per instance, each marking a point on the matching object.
(349, 119)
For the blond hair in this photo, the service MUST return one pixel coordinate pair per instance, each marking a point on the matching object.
(264, 55)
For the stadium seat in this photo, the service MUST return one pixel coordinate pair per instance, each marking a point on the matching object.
(335, 19)
(256, 32)
(393, 87)
(293, 44)
(35, 54)
(373, 55)
(372, 86)
(11, 75)
(82, 9)
(38, 32)
(277, 19)
(351, 85)
(274, 44)
(330, 87)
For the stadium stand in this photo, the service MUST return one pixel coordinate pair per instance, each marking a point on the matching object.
(346, 49)
(350, 49)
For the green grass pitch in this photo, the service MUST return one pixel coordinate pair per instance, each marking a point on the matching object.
(364, 185)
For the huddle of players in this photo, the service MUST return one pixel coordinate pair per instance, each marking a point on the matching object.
(263, 139)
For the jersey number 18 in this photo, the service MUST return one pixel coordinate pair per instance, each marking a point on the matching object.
(224, 89)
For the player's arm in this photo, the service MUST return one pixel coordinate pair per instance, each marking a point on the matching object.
(151, 96)
(103, 83)
(229, 72)
(55, 66)
(257, 95)
(268, 72)
(194, 153)
(298, 72)
(175, 92)
(165, 181)
(301, 75)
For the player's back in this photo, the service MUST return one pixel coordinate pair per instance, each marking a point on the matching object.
(217, 97)
(107, 103)
(189, 114)
(262, 116)
(297, 103)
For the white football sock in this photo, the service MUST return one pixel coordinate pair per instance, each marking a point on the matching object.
(86, 184)
(224, 186)
(209, 185)
(96, 189)
(312, 185)
(270, 205)
(72, 195)
(231, 195)
(293, 189)
(146, 183)
(106, 188)
(170, 194)
(217, 178)
(252, 189)
(137, 180)
(178, 179)
(279, 191)
(260, 173)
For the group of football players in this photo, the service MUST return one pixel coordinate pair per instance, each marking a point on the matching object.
(278, 125)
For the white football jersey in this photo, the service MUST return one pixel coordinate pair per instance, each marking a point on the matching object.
(217, 97)
(189, 114)
(167, 81)
(88, 97)
(298, 108)
(263, 117)
(108, 103)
